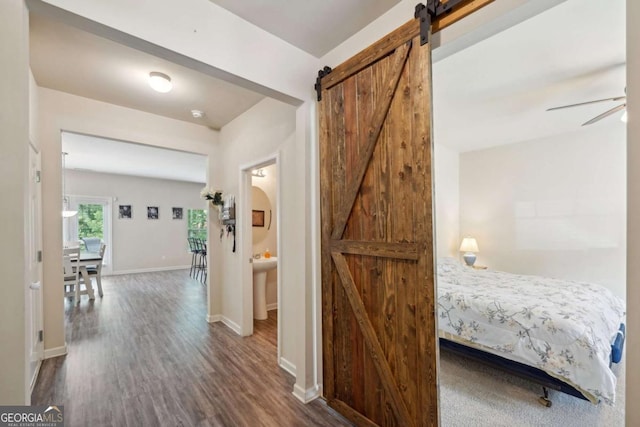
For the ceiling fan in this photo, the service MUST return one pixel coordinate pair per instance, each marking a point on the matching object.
(607, 113)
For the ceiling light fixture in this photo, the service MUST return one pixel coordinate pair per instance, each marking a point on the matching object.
(260, 173)
(624, 117)
(197, 114)
(160, 82)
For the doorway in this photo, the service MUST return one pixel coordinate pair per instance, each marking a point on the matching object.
(92, 221)
(33, 289)
(260, 228)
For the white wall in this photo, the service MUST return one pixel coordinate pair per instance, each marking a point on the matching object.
(268, 236)
(59, 111)
(33, 111)
(553, 207)
(265, 129)
(446, 167)
(140, 244)
(203, 31)
(14, 172)
(633, 200)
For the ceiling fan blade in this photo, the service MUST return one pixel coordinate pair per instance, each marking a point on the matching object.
(606, 114)
(618, 98)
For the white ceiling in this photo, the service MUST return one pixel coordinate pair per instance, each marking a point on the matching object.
(315, 26)
(494, 92)
(74, 61)
(90, 153)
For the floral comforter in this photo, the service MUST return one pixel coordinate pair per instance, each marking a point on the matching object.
(563, 328)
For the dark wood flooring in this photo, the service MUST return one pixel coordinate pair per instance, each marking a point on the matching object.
(144, 355)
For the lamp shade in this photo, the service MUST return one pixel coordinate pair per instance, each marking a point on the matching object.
(469, 244)
(69, 214)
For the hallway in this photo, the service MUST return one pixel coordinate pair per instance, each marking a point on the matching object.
(145, 356)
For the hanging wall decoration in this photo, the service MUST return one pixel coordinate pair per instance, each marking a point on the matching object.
(176, 213)
(153, 212)
(125, 212)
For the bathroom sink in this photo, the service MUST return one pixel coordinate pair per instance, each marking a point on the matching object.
(264, 264)
(260, 268)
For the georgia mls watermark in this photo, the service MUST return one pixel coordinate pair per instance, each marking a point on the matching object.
(32, 416)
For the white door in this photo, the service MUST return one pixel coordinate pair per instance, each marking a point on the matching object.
(33, 291)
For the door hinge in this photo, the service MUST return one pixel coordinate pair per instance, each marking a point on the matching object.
(37, 177)
(40, 335)
(39, 256)
(423, 13)
(426, 14)
(318, 86)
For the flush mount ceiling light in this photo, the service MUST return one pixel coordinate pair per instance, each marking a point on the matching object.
(160, 82)
(197, 114)
(260, 173)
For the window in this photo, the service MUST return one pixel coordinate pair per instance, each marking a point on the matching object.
(93, 220)
(197, 223)
(90, 221)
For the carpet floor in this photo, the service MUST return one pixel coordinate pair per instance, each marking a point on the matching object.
(473, 394)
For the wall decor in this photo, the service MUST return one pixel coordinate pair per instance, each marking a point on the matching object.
(125, 212)
(176, 213)
(153, 212)
(257, 218)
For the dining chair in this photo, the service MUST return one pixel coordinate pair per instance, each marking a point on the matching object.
(92, 244)
(71, 273)
(96, 270)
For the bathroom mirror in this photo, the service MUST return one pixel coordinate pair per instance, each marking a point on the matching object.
(261, 203)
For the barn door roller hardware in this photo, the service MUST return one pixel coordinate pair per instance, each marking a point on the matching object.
(318, 86)
(426, 14)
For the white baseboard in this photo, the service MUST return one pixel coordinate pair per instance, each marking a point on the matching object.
(224, 319)
(231, 325)
(55, 352)
(288, 366)
(35, 377)
(308, 395)
(213, 318)
(149, 270)
(273, 306)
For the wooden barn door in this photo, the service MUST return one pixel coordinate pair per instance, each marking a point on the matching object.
(379, 323)
(377, 240)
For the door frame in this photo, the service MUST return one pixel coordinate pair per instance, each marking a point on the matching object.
(244, 224)
(33, 244)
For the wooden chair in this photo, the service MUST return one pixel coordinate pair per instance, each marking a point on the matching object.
(96, 270)
(71, 273)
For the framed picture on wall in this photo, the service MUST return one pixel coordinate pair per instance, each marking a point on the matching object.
(153, 212)
(125, 212)
(257, 218)
(177, 213)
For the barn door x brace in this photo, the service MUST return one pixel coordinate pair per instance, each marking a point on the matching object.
(433, 10)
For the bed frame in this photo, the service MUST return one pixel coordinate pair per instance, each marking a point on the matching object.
(530, 373)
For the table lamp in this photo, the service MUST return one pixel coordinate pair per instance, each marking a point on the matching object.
(469, 246)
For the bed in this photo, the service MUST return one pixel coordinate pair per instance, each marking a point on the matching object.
(562, 334)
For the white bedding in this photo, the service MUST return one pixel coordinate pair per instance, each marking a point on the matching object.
(561, 327)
